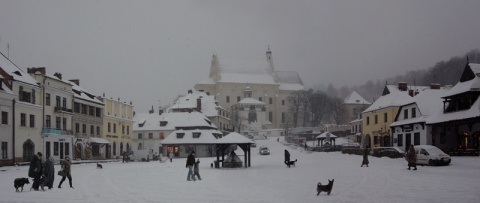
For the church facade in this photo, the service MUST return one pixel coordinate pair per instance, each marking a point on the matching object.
(228, 80)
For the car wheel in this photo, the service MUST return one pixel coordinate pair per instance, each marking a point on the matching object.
(430, 162)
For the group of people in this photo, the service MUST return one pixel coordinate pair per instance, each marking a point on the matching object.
(411, 157)
(192, 164)
(38, 169)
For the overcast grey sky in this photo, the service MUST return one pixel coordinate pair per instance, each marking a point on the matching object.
(146, 51)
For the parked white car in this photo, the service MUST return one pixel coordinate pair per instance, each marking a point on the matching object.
(431, 155)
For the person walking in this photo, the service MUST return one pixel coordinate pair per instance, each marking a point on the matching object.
(365, 156)
(49, 172)
(189, 165)
(412, 158)
(170, 155)
(67, 172)
(35, 170)
(196, 170)
(287, 156)
(124, 157)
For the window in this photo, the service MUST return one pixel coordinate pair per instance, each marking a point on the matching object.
(64, 123)
(92, 130)
(98, 130)
(76, 107)
(162, 136)
(416, 138)
(108, 127)
(84, 109)
(270, 116)
(77, 127)
(368, 120)
(32, 121)
(196, 135)
(23, 119)
(414, 112)
(114, 128)
(47, 99)
(270, 100)
(58, 122)
(260, 99)
(180, 135)
(405, 113)
(238, 99)
(376, 119)
(57, 99)
(91, 111)
(48, 121)
(4, 150)
(84, 128)
(140, 136)
(123, 130)
(283, 117)
(163, 123)
(385, 117)
(228, 99)
(400, 140)
(4, 117)
(64, 102)
(98, 112)
(150, 135)
(128, 130)
(283, 102)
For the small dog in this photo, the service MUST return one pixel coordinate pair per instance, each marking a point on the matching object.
(99, 166)
(290, 163)
(20, 182)
(325, 188)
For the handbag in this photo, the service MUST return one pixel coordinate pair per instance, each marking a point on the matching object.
(61, 173)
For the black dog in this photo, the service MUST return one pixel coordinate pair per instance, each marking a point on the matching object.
(290, 163)
(19, 182)
(325, 188)
(99, 166)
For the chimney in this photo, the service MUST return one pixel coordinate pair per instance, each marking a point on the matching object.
(77, 82)
(199, 104)
(160, 111)
(410, 92)
(33, 70)
(151, 111)
(402, 86)
(190, 92)
(58, 75)
(434, 86)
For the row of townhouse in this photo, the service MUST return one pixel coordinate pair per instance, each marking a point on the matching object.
(447, 117)
(44, 113)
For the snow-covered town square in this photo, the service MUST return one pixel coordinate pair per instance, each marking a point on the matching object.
(267, 180)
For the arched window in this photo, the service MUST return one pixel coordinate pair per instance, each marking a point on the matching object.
(28, 150)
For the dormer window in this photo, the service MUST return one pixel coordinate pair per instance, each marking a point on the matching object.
(141, 123)
(163, 123)
(196, 135)
(180, 135)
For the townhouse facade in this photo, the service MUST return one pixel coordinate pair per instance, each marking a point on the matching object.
(6, 124)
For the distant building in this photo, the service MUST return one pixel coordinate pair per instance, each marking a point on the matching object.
(228, 80)
(353, 105)
(7, 97)
(207, 104)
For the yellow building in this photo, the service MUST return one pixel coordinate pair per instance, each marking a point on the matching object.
(377, 118)
(117, 126)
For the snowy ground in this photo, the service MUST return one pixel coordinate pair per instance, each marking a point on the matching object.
(268, 180)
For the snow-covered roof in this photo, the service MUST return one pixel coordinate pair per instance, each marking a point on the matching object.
(247, 78)
(204, 137)
(325, 134)
(471, 85)
(17, 73)
(295, 87)
(171, 121)
(355, 98)
(209, 105)
(234, 138)
(250, 101)
(390, 100)
(80, 93)
(5, 88)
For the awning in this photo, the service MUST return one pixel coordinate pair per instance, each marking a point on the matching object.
(99, 140)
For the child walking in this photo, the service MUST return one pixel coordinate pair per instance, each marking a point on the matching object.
(195, 170)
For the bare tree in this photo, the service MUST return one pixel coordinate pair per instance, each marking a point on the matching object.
(236, 119)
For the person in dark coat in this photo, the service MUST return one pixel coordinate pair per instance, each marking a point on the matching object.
(287, 156)
(365, 156)
(67, 171)
(49, 172)
(124, 157)
(36, 169)
(196, 170)
(412, 158)
(189, 165)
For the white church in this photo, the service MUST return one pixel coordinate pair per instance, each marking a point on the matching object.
(267, 90)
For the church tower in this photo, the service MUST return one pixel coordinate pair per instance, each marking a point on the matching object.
(215, 69)
(271, 68)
